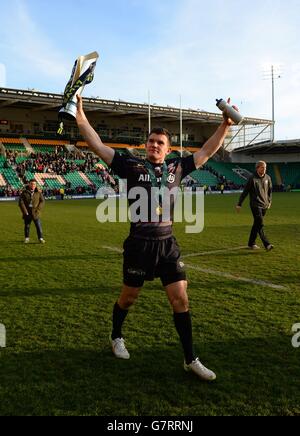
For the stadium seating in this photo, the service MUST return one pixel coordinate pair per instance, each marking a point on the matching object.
(43, 149)
(53, 184)
(82, 172)
(11, 178)
(76, 180)
(43, 178)
(47, 145)
(96, 180)
(13, 144)
(2, 160)
(290, 173)
(21, 159)
(227, 170)
(203, 178)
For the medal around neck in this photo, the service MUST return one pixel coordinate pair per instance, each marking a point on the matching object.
(159, 211)
(163, 185)
(82, 74)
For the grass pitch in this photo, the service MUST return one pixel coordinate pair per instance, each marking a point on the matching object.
(56, 302)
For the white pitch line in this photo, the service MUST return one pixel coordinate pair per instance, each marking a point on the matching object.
(217, 273)
(236, 278)
(114, 249)
(204, 253)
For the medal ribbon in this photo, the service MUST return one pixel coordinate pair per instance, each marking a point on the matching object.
(155, 184)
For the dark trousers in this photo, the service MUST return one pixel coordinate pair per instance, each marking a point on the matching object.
(258, 226)
(38, 225)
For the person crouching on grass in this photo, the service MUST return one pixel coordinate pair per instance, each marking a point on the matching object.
(31, 203)
(151, 249)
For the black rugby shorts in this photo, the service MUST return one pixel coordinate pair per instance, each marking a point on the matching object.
(149, 259)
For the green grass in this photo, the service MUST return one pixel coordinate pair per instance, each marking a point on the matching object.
(56, 302)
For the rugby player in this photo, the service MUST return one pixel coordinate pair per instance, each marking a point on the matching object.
(151, 250)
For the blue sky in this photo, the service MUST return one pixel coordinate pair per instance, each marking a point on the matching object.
(198, 49)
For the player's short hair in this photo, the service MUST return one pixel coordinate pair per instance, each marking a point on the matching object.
(260, 164)
(161, 131)
(32, 181)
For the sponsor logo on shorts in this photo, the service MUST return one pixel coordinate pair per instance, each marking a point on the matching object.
(136, 272)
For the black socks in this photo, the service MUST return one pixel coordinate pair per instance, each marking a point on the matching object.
(119, 316)
(183, 326)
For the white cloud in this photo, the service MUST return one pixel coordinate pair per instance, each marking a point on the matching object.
(30, 47)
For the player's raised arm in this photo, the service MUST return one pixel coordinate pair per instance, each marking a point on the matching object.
(214, 142)
(91, 136)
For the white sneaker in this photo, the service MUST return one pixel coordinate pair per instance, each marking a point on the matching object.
(119, 349)
(200, 370)
(42, 241)
(254, 247)
(26, 241)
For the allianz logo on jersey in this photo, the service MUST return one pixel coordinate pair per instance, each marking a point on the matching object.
(146, 178)
(155, 205)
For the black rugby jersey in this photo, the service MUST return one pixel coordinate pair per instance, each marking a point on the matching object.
(135, 172)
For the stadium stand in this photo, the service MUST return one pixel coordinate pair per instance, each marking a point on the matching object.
(290, 173)
(76, 180)
(47, 145)
(11, 178)
(13, 144)
(76, 172)
(204, 178)
(30, 147)
(54, 166)
(230, 171)
(2, 161)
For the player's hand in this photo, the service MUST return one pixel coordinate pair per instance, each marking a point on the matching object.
(238, 208)
(228, 120)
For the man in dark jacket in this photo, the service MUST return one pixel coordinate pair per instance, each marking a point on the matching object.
(31, 203)
(259, 187)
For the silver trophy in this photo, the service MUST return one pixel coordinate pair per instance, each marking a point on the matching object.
(82, 74)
